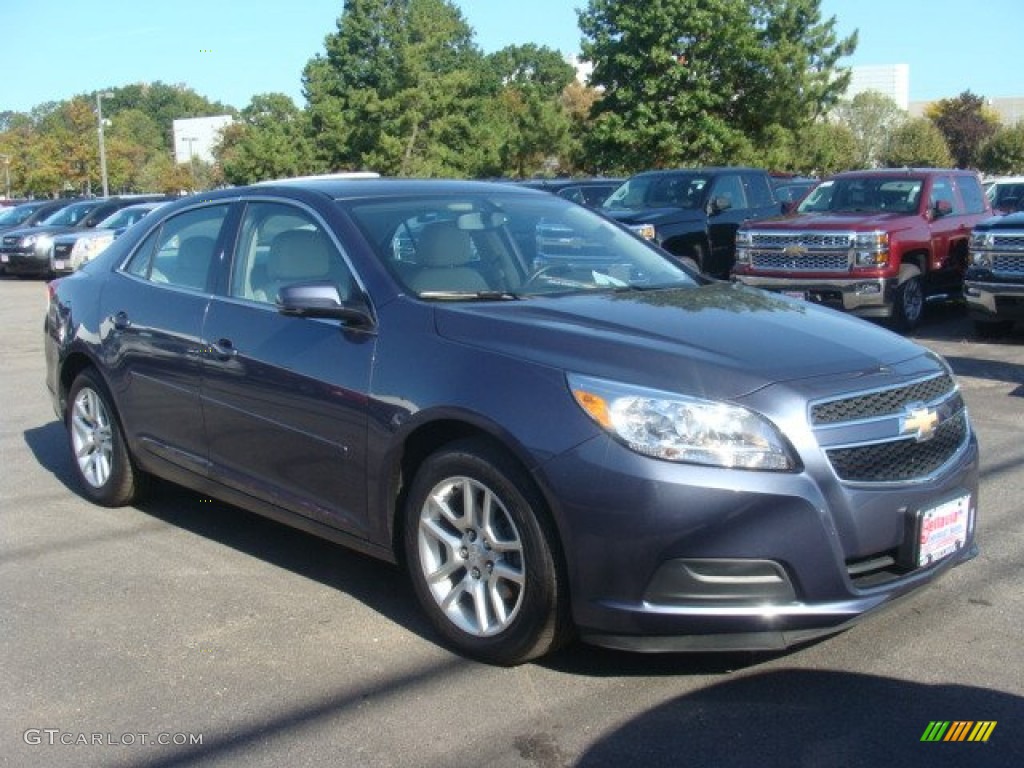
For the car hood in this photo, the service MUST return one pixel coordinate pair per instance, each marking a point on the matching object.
(853, 221)
(72, 235)
(722, 339)
(653, 215)
(26, 231)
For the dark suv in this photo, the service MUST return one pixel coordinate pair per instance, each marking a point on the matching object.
(546, 450)
(694, 214)
(994, 283)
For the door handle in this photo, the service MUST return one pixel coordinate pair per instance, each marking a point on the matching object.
(121, 321)
(223, 349)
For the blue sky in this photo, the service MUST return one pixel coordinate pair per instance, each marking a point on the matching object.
(228, 50)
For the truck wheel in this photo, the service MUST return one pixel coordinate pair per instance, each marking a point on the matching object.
(482, 556)
(908, 306)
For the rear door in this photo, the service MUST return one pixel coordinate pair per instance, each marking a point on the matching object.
(285, 398)
(155, 308)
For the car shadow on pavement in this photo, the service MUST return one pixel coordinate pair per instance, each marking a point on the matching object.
(794, 717)
(49, 445)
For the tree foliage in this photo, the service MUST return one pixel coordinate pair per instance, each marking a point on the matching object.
(917, 143)
(871, 118)
(399, 90)
(966, 124)
(698, 81)
(1004, 152)
(271, 140)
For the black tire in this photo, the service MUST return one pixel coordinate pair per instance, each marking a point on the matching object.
(99, 454)
(992, 329)
(520, 609)
(908, 306)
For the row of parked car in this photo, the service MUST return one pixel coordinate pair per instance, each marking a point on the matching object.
(46, 238)
(874, 243)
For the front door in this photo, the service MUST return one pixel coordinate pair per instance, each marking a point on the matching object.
(284, 398)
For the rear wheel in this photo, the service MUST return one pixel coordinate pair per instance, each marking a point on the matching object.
(481, 555)
(98, 449)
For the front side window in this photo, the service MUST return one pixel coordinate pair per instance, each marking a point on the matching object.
(284, 245)
(181, 252)
(943, 195)
(727, 192)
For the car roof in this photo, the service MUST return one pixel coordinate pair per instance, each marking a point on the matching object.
(905, 172)
(340, 188)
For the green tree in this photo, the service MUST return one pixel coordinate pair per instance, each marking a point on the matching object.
(917, 142)
(1004, 152)
(271, 140)
(966, 124)
(871, 117)
(702, 81)
(399, 90)
(825, 148)
(533, 125)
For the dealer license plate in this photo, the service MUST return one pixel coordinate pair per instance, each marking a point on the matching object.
(3, 258)
(796, 294)
(942, 530)
(60, 264)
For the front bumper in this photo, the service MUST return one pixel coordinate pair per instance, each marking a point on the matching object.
(864, 297)
(796, 545)
(27, 262)
(995, 300)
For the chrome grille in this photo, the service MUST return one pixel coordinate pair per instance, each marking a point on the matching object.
(901, 460)
(1008, 262)
(883, 403)
(824, 240)
(806, 262)
(1011, 241)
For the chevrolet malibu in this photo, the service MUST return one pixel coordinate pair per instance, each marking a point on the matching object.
(612, 448)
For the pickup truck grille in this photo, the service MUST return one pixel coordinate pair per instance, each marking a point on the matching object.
(1008, 263)
(872, 441)
(1009, 241)
(801, 251)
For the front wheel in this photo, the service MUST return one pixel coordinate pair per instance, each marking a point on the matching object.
(481, 555)
(909, 304)
(98, 448)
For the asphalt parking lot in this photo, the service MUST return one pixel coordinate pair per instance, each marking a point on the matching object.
(185, 632)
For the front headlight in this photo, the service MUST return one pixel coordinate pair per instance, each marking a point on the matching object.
(980, 240)
(685, 429)
(88, 248)
(40, 241)
(871, 249)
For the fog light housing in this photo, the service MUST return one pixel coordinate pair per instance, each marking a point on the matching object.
(731, 581)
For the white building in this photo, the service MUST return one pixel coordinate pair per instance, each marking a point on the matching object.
(195, 137)
(892, 80)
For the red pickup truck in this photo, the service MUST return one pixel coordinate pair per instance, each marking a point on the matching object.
(874, 243)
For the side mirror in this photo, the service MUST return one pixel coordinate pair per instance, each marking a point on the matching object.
(788, 207)
(942, 208)
(322, 299)
(719, 204)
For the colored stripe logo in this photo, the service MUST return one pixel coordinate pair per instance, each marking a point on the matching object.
(958, 730)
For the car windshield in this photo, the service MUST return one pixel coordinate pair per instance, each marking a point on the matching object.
(16, 215)
(507, 246)
(124, 217)
(70, 215)
(864, 195)
(678, 190)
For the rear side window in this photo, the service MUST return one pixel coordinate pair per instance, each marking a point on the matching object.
(971, 192)
(759, 191)
(181, 252)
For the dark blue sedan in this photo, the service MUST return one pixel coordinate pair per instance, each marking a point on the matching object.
(604, 445)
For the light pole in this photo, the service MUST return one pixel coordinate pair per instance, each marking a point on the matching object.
(7, 176)
(103, 147)
(191, 140)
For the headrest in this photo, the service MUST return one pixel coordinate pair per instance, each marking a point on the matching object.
(442, 244)
(298, 254)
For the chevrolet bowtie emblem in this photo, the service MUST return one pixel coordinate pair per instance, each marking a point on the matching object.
(794, 250)
(920, 422)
